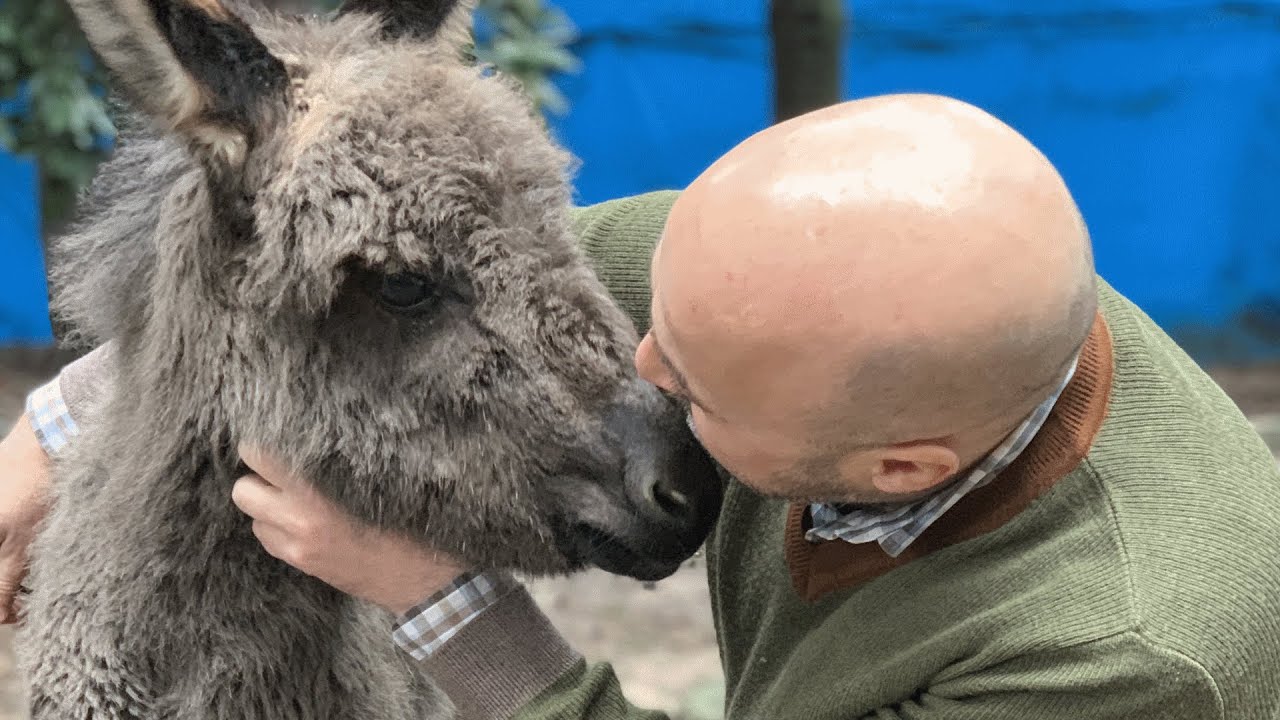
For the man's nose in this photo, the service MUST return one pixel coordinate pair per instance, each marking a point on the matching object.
(649, 367)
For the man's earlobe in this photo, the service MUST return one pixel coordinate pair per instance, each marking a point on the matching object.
(911, 469)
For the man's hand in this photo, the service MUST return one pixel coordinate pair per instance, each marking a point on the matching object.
(299, 526)
(24, 502)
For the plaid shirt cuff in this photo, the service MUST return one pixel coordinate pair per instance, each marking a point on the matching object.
(50, 418)
(425, 628)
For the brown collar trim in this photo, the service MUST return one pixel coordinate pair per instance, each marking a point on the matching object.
(821, 568)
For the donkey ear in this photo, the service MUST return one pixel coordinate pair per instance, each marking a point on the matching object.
(192, 66)
(417, 19)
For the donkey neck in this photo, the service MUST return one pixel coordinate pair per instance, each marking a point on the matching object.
(169, 434)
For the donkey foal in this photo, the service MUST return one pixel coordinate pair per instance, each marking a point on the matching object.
(334, 238)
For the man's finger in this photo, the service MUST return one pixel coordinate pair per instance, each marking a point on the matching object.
(257, 498)
(266, 466)
(13, 570)
(17, 610)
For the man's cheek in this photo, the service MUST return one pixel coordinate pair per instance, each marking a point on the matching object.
(727, 453)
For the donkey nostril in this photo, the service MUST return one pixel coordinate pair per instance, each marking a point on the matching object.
(672, 502)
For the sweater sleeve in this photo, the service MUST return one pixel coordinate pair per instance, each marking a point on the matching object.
(56, 409)
(1115, 678)
(510, 662)
(87, 379)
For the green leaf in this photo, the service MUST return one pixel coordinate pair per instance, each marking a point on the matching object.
(8, 138)
(544, 57)
(530, 45)
(551, 98)
(526, 9)
(43, 50)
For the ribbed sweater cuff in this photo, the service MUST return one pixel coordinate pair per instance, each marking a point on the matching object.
(82, 382)
(501, 660)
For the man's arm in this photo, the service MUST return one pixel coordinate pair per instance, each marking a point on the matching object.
(24, 493)
(481, 638)
(1114, 678)
(511, 662)
(47, 426)
(55, 408)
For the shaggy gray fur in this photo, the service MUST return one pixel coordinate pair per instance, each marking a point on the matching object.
(242, 292)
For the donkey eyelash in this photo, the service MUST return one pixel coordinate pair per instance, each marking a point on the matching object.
(409, 293)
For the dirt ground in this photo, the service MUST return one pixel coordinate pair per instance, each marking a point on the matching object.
(659, 640)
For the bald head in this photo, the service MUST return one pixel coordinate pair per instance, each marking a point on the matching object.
(885, 270)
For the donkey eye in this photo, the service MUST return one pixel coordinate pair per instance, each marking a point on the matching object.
(407, 292)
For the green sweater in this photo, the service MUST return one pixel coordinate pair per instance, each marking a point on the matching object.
(1127, 566)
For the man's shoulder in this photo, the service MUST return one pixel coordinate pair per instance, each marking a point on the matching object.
(594, 220)
(1194, 497)
(618, 238)
(1171, 430)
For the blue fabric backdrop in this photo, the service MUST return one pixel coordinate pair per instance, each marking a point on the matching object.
(1163, 115)
(24, 316)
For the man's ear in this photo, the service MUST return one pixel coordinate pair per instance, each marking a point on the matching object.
(913, 468)
(192, 66)
(445, 20)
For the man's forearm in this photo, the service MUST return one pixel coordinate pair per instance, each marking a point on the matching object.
(55, 409)
(511, 662)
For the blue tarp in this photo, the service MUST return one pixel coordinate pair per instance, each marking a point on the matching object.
(1163, 116)
(24, 315)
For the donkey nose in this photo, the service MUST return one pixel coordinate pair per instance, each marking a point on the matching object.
(675, 487)
(670, 480)
(670, 501)
(669, 496)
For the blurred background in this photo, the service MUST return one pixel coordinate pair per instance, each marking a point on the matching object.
(1162, 115)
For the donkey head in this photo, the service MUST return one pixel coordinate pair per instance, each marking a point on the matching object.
(369, 257)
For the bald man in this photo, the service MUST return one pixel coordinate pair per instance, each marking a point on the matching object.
(970, 480)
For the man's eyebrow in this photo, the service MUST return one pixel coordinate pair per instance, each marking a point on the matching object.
(682, 383)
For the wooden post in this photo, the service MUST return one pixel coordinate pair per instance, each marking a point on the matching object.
(807, 54)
